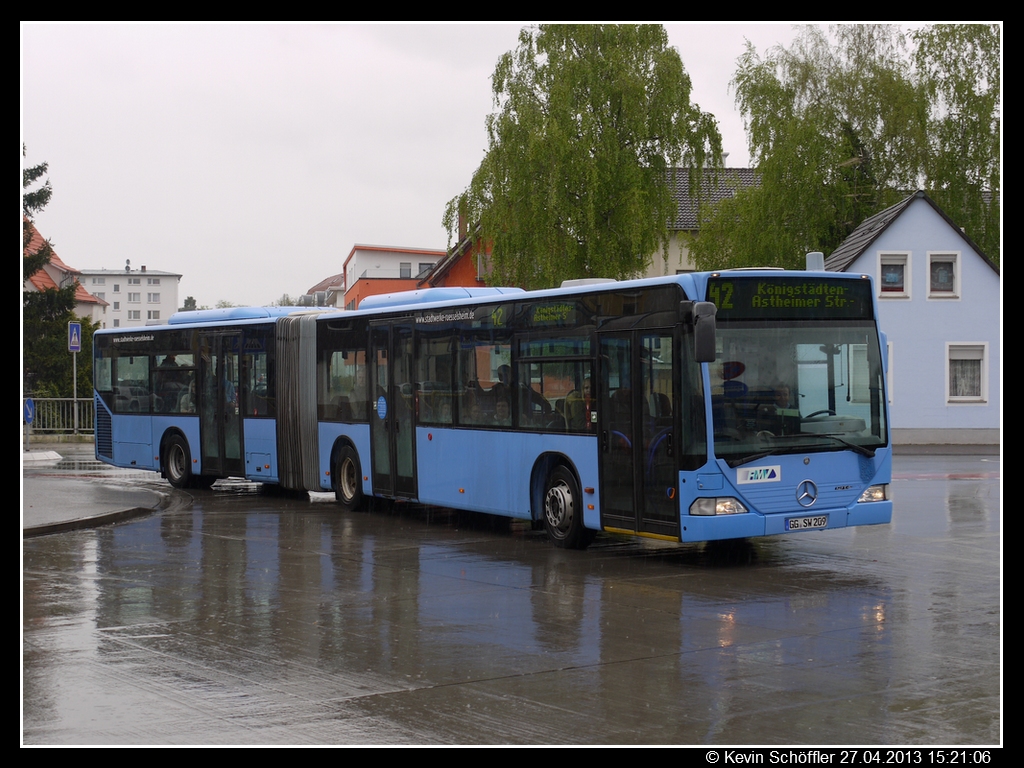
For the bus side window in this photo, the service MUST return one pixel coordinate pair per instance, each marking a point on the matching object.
(257, 395)
(132, 393)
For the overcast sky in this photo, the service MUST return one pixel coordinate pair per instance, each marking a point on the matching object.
(252, 158)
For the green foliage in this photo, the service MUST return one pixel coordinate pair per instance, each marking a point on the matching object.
(48, 365)
(959, 68)
(190, 304)
(47, 362)
(46, 358)
(589, 121)
(34, 200)
(842, 126)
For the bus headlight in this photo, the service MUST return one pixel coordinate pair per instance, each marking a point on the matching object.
(724, 505)
(875, 493)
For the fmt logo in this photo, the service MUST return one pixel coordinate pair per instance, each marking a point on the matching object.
(771, 474)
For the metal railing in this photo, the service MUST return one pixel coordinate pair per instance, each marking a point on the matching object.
(57, 414)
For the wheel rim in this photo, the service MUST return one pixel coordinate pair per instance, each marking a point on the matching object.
(348, 479)
(559, 507)
(176, 462)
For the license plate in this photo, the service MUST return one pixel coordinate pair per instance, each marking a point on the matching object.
(806, 523)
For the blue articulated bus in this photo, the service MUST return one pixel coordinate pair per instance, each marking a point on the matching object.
(688, 408)
(194, 399)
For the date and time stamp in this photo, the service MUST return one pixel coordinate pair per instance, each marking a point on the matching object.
(840, 756)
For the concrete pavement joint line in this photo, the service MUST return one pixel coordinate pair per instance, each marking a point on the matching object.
(536, 673)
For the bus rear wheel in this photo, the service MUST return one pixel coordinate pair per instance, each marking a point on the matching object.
(178, 462)
(563, 511)
(348, 485)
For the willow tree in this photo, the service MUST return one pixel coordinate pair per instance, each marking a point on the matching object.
(959, 68)
(589, 124)
(845, 123)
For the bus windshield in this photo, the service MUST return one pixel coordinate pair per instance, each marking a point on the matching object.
(797, 386)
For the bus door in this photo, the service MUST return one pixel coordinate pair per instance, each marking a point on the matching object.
(392, 405)
(220, 419)
(637, 432)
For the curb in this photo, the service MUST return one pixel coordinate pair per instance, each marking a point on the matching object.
(172, 502)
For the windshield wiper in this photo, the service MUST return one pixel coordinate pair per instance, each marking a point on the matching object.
(741, 460)
(853, 446)
(733, 463)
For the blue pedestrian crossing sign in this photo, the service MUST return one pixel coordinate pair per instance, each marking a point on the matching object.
(74, 337)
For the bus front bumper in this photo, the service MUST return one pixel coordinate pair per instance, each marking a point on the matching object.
(695, 528)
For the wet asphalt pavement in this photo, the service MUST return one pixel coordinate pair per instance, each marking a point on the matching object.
(234, 616)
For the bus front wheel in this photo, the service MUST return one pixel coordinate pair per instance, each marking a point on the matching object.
(178, 462)
(563, 511)
(348, 485)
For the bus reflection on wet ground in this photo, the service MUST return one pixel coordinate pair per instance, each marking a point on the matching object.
(252, 618)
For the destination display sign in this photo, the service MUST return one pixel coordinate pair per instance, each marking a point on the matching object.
(783, 297)
(552, 313)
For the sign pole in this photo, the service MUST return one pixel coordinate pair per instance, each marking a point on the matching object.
(74, 347)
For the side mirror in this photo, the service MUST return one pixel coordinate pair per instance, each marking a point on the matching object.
(701, 314)
(704, 331)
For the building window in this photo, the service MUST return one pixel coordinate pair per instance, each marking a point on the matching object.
(405, 269)
(153, 281)
(968, 375)
(153, 314)
(117, 323)
(943, 276)
(425, 267)
(134, 314)
(117, 288)
(153, 298)
(134, 281)
(894, 275)
(134, 298)
(99, 281)
(101, 296)
(117, 305)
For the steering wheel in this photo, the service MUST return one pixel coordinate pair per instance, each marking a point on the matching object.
(827, 411)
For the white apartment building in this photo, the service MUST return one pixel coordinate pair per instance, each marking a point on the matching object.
(134, 297)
